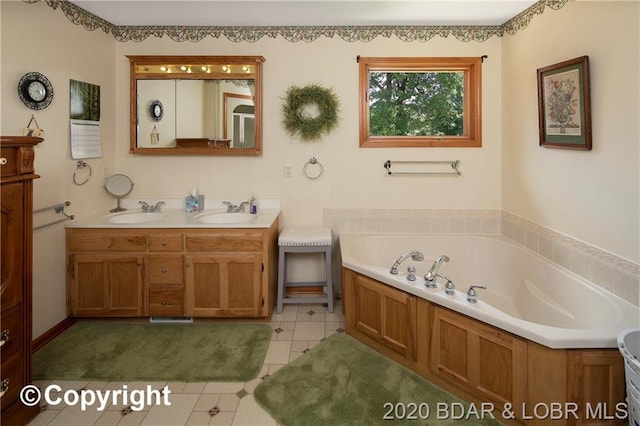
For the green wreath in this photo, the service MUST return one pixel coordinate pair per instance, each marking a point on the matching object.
(296, 118)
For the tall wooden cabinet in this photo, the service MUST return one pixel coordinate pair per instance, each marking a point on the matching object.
(17, 175)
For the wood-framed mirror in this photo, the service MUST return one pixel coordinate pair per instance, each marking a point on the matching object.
(211, 105)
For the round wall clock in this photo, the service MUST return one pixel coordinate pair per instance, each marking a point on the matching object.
(156, 110)
(35, 90)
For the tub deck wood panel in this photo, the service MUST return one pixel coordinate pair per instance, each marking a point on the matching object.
(481, 363)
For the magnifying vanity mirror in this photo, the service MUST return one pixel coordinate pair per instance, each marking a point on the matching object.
(196, 105)
(118, 186)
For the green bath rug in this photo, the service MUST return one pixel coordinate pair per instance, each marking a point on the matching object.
(343, 382)
(110, 351)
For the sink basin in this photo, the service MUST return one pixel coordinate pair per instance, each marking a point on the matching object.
(224, 218)
(136, 217)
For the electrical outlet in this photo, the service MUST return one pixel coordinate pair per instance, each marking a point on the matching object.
(288, 170)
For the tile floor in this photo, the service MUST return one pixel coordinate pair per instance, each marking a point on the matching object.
(297, 329)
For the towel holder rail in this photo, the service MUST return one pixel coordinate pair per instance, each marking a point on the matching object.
(455, 164)
(59, 209)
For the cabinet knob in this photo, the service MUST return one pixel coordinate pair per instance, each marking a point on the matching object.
(4, 386)
(164, 303)
(164, 243)
(4, 337)
(164, 270)
(188, 265)
(3, 161)
(139, 264)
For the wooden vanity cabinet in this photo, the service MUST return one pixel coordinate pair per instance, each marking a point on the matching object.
(165, 274)
(172, 272)
(227, 272)
(17, 176)
(105, 272)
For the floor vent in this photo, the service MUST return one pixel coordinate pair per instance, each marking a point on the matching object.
(171, 320)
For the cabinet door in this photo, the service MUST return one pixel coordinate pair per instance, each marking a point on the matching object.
(106, 285)
(12, 246)
(480, 358)
(223, 285)
(385, 314)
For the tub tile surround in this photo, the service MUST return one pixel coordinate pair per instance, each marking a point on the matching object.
(613, 273)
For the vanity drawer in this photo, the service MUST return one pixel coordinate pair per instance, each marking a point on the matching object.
(165, 241)
(11, 329)
(165, 269)
(96, 240)
(224, 241)
(166, 300)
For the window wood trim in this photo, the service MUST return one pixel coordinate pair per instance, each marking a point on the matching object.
(472, 68)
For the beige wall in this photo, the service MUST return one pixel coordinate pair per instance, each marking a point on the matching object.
(538, 184)
(353, 177)
(37, 38)
(592, 196)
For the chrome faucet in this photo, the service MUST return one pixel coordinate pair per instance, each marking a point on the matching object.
(148, 208)
(415, 255)
(233, 208)
(432, 274)
(472, 296)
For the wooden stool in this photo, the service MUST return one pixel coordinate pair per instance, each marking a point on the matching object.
(304, 240)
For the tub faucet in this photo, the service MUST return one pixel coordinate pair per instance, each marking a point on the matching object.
(472, 296)
(415, 255)
(432, 274)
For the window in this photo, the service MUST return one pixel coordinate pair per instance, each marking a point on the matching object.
(420, 102)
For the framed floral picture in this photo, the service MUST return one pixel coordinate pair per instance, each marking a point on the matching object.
(564, 105)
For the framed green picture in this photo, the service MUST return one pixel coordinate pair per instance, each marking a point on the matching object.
(564, 105)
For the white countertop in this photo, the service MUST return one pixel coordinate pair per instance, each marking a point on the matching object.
(172, 216)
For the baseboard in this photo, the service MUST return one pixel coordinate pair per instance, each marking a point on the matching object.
(51, 334)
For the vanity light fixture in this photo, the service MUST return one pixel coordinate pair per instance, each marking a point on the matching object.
(163, 69)
(183, 68)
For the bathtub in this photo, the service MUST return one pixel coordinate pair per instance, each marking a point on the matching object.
(526, 294)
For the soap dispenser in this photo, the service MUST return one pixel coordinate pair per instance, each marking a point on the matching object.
(253, 205)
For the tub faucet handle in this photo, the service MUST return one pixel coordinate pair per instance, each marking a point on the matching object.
(411, 273)
(472, 295)
(449, 288)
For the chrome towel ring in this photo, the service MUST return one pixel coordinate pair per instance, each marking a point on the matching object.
(313, 169)
(79, 166)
